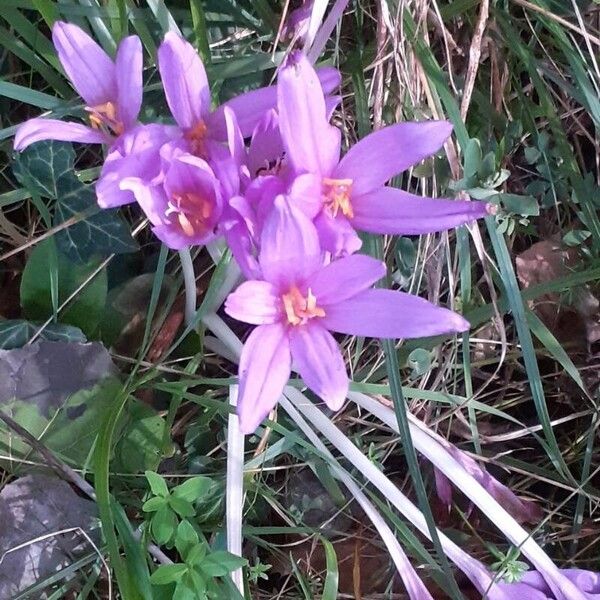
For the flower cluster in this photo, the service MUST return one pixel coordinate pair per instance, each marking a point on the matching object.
(264, 172)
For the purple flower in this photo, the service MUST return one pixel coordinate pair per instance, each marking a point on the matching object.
(135, 154)
(296, 25)
(183, 203)
(533, 586)
(521, 510)
(351, 190)
(298, 302)
(112, 91)
(188, 95)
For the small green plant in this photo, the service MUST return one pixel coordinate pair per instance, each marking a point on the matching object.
(199, 575)
(167, 505)
(508, 566)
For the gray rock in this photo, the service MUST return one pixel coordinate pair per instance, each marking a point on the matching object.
(47, 373)
(31, 507)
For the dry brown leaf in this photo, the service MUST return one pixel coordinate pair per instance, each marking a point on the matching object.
(574, 321)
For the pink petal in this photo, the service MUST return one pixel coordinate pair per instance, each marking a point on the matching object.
(250, 107)
(36, 130)
(266, 146)
(305, 194)
(346, 277)
(184, 80)
(235, 140)
(172, 237)
(189, 173)
(265, 367)
(290, 250)
(319, 362)
(240, 243)
(390, 314)
(312, 145)
(392, 211)
(254, 302)
(336, 234)
(135, 154)
(129, 66)
(329, 78)
(151, 198)
(377, 158)
(89, 68)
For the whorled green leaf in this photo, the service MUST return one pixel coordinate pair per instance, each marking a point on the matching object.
(157, 484)
(220, 563)
(15, 333)
(167, 574)
(46, 268)
(192, 489)
(163, 525)
(182, 507)
(186, 538)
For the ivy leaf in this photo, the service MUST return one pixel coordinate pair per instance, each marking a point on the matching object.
(46, 268)
(526, 206)
(15, 333)
(141, 443)
(100, 233)
(48, 169)
(168, 574)
(60, 392)
(43, 167)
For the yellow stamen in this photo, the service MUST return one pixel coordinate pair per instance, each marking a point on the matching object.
(196, 136)
(299, 309)
(104, 116)
(336, 195)
(186, 226)
(193, 212)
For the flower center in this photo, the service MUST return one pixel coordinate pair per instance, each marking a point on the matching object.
(336, 195)
(299, 309)
(271, 167)
(196, 136)
(193, 212)
(104, 116)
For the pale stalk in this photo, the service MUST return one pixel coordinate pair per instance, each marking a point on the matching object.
(472, 568)
(414, 586)
(456, 473)
(234, 500)
(189, 281)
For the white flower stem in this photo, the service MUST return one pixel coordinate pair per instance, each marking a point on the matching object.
(189, 281)
(224, 334)
(476, 572)
(415, 587)
(234, 501)
(427, 445)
